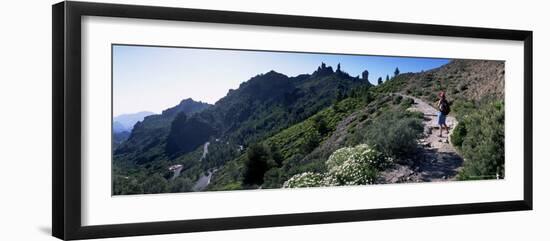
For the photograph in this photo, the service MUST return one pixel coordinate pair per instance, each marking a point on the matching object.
(189, 119)
(285, 120)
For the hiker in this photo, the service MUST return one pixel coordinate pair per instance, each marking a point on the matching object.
(444, 109)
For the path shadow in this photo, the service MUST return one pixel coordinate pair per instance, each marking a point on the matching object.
(439, 165)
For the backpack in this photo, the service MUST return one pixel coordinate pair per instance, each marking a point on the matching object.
(444, 107)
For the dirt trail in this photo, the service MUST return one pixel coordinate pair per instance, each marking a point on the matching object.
(438, 160)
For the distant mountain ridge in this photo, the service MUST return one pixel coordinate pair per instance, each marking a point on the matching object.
(118, 127)
(126, 122)
(187, 106)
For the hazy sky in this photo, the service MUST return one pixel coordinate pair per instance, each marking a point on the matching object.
(156, 78)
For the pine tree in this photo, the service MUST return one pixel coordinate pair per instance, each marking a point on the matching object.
(396, 72)
(256, 165)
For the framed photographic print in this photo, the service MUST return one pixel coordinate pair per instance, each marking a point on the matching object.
(170, 120)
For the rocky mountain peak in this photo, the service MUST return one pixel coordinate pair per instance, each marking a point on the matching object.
(323, 70)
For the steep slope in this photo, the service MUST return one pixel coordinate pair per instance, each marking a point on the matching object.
(287, 147)
(142, 144)
(474, 80)
(267, 103)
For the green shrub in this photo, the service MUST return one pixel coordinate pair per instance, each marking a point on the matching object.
(461, 108)
(256, 164)
(397, 99)
(395, 134)
(232, 186)
(126, 185)
(416, 114)
(482, 142)
(432, 96)
(457, 138)
(310, 142)
(181, 184)
(408, 102)
(155, 184)
(273, 178)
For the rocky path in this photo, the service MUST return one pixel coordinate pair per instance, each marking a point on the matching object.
(438, 159)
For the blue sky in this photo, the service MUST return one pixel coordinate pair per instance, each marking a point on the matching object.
(156, 78)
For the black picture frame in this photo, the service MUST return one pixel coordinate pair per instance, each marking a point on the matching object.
(66, 75)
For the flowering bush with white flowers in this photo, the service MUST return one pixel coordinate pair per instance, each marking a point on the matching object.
(357, 165)
(339, 157)
(370, 155)
(306, 179)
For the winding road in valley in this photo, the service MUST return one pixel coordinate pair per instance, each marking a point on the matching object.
(205, 178)
(204, 150)
(438, 160)
(177, 173)
(203, 181)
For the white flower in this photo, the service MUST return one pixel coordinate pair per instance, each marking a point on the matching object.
(357, 165)
(306, 179)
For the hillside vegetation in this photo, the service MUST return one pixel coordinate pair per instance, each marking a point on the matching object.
(321, 129)
(259, 108)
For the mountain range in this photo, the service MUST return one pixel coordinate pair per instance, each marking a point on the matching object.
(300, 120)
(126, 122)
(261, 106)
